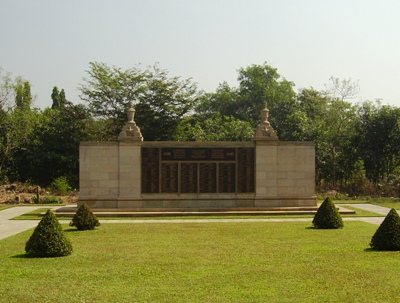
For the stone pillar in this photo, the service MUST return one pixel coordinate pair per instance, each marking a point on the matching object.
(266, 160)
(265, 131)
(130, 140)
(130, 132)
(98, 174)
(266, 169)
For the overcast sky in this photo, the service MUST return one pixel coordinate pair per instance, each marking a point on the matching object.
(51, 42)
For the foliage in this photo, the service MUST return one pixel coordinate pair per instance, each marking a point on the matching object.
(378, 140)
(16, 127)
(7, 91)
(342, 89)
(214, 128)
(58, 98)
(16, 121)
(387, 236)
(60, 185)
(327, 216)
(23, 96)
(357, 145)
(47, 200)
(160, 101)
(48, 239)
(52, 150)
(332, 127)
(84, 219)
(258, 83)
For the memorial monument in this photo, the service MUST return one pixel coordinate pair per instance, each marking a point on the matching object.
(137, 175)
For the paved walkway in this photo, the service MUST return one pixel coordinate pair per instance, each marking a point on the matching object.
(12, 227)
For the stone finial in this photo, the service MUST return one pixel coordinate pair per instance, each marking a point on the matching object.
(130, 132)
(264, 130)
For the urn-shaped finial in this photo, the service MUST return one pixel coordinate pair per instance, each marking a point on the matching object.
(264, 113)
(131, 114)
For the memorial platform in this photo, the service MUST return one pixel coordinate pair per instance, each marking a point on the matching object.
(69, 211)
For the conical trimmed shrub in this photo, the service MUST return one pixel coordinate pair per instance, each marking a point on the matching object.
(387, 236)
(84, 219)
(48, 239)
(327, 216)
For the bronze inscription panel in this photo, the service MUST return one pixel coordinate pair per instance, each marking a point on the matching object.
(169, 177)
(198, 170)
(198, 154)
(226, 177)
(245, 166)
(150, 169)
(189, 178)
(208, 177)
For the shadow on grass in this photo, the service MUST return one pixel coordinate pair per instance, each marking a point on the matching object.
(22, 256)
(26, 256)
(374, 250)
(71, 230)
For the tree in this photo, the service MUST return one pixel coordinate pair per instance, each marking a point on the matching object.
(378, 140)
(16, 121)
(58, 98)
(214, 128)
(331, 125)
(63, 99)
(163, 103)
(159, 100)
(387, 236)
(52, 148)
(223, 102)
(84, 219)
(23, 96)
(15, 131)
(7, 91)
(327, 216)
(342, 89)
(259, 83)
(340, 121)
(48, 239)
(55, 96)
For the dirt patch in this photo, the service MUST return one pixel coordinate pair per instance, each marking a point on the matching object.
(20, 193)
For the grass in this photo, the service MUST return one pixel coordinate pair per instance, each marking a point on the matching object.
(213, 262)
(5, 206)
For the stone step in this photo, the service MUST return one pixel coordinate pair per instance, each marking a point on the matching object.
(70, 211)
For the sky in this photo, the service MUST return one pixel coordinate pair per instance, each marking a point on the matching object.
(51, 42)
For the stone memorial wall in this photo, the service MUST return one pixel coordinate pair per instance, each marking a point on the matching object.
(138, 175)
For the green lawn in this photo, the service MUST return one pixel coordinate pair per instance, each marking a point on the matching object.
(205, 262)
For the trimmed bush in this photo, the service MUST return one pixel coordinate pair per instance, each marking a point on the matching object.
(387, 236)
(48, 239)
(327, 216)
(84, 219)
(60, 185)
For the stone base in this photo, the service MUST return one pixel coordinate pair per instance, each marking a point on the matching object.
(70, 210)
(164, 203)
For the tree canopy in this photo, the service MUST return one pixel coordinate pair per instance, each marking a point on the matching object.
(357, 145)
